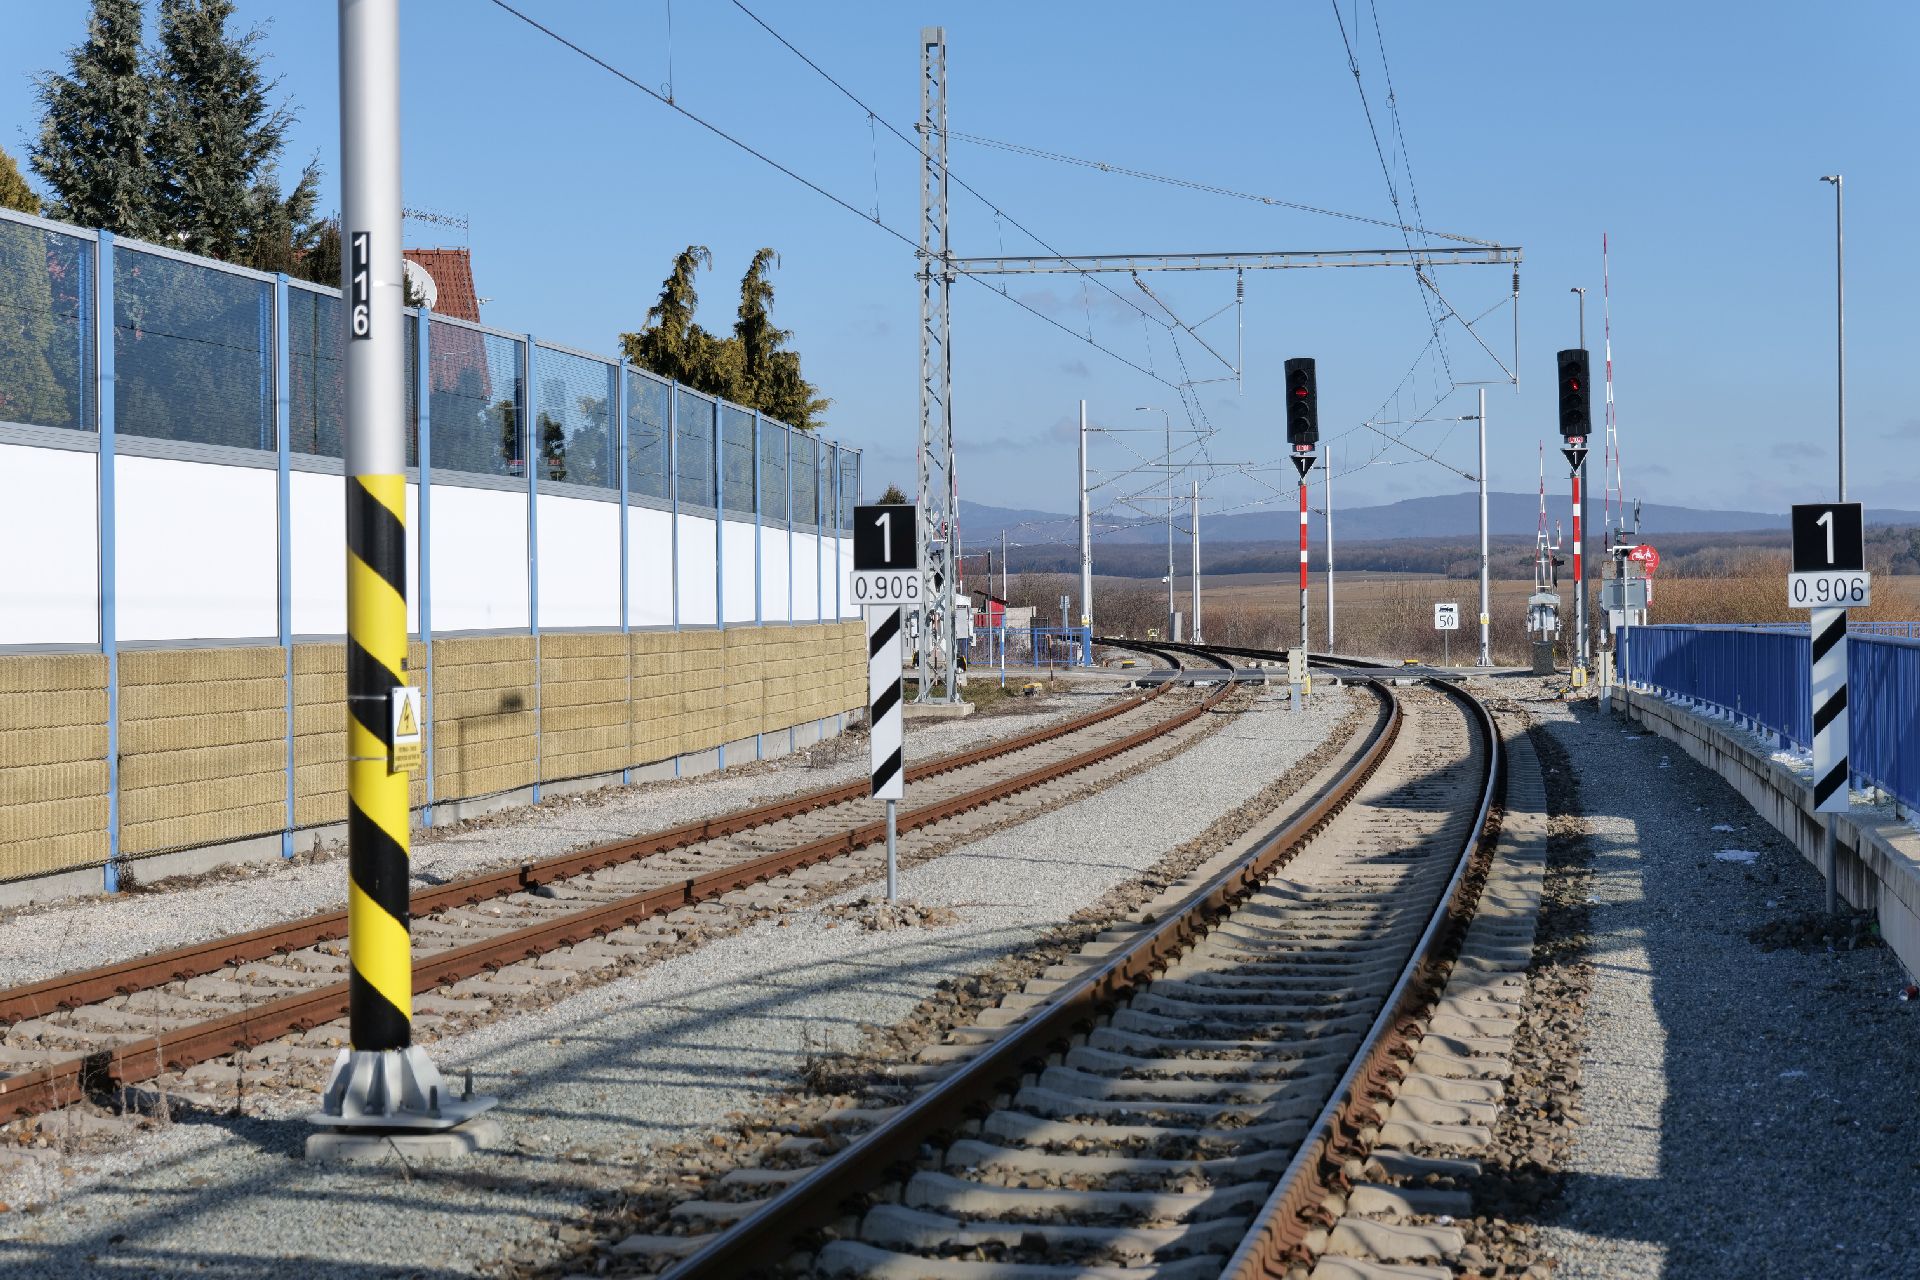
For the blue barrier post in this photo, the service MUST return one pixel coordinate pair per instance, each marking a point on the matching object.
(626, 616)
(423, 555)
(719, 497)
(283, 499)
(530, 446)
(672, 463)
(104, 375)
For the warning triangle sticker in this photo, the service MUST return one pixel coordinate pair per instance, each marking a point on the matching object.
(409, 725)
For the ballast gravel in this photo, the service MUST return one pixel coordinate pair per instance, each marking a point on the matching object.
(588, 1086)
(1748, 1112)
(45, 941)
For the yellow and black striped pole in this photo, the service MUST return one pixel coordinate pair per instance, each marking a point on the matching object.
(384, 1083)
(379, 948)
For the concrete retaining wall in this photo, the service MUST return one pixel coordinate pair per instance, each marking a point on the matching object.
(1879, 858)
(204, 745)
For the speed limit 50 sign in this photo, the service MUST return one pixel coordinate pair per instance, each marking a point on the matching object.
(886, 555)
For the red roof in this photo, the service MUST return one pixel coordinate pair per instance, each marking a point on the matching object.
(452, 272)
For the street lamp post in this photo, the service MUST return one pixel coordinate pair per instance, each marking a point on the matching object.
(1840, 324)
(1829, 840)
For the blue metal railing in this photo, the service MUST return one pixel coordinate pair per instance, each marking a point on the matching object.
(1761, 674)
(1037, 646)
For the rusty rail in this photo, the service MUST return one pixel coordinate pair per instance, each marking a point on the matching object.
(71, 1080)
(90, 986)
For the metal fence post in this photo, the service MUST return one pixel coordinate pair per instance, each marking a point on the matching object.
(423, 416)
(530, 445)
(786, 438)
(103, 371)
(719, 496)
(759, 558)
(283, 512)
(672, 453)
(626, 617)
(759, 518)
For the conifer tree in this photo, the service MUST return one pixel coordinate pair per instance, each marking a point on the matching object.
(672, 344)
(770, 378)
(94, 127)
(215, 140)
(752, 367)
(14, 191)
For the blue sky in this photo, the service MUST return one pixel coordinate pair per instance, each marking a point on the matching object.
(1693, 134)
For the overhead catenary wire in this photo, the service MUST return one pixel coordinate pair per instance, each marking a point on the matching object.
(809, 184)
(1386, 171)
(1209, 188)
(897, 132)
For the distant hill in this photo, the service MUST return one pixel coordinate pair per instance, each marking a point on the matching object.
(1451, 515)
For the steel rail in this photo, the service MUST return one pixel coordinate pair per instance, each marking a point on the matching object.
(90, 986)
(760, 1240)
(1294, 1209)
(74, 1079)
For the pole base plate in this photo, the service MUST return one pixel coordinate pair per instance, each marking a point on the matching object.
(393, 1091)
(360, 1146)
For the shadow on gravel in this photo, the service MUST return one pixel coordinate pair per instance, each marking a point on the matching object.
(1749, 1112)
(566, 1139)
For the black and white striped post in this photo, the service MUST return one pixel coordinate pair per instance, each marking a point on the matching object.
(884, 736)
(1829, 574)
(886, 575)
(1831, 771)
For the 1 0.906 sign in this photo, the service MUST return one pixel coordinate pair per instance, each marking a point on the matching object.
(1829, 558)
(886, 555)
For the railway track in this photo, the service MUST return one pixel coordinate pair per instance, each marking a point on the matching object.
(81, 1035)
(1183, 1097)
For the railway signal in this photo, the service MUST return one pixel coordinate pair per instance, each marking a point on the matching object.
(1303, 404)
(1303, 433)
(1576, 421)
(1576, 396)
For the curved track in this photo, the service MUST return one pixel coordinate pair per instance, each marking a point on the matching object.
(1174, 1108)
(227, 994)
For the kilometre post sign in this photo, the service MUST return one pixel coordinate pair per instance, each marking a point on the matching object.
(886, 554)
(1829, 557)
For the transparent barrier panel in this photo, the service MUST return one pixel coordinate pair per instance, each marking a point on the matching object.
(647, 412)
(827, 465)
(849, 486)
(693, 448)
(573, 401)
(736, 457)
(773, 472)
(46, 328)
(193, 352)
(474, 401)
(806, 479)
(316, 378)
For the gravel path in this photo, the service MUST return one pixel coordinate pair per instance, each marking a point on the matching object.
(1748, 1112)
(588, 1086)
(44, 941)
